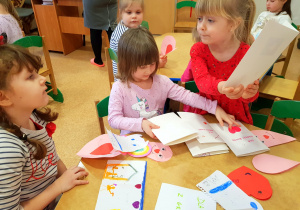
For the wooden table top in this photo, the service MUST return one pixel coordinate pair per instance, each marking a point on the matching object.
(185, 171)
(179, 58)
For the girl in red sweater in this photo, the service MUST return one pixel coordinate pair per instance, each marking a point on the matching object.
(224, 30)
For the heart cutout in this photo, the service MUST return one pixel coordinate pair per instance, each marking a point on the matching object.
(104, 149)
(169, 48)
(138, 186)
(266, 136)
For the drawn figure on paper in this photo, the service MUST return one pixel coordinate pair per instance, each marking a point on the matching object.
(160, 152)
(111, 187)
(143, 107)
(234, 129)
(119, 172)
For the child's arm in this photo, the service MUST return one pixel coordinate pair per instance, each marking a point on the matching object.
(162, 60)
(61, 168)
(251, 92)
(187, 75)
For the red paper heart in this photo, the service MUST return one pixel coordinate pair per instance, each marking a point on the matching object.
(169, 49)
(138, 186)
(104, 149)
(234, 129)
(205, 123)
(266, 136)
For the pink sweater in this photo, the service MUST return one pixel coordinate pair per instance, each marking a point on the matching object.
(129, 105)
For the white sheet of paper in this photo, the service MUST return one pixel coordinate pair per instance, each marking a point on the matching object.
(129, 143)
(206, 133)
(271, 42)
(198, 149)
(240, 140)
(226, 193)
(175, 197)
(122, 186)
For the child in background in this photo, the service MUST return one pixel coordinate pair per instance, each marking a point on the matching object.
(10, 26)
(140, 93)
(224, 29)
(32, 175)
(131, 13)
(277, 10)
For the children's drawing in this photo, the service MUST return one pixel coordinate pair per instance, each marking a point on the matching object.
(272, 164)
(142, 106)
(226, 193)
(270, 138)
(122, 186)
(234, 129)
(160, 152)
(251, 183)
(168, 45)
(141, 152)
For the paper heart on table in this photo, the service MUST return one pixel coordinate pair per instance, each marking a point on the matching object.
(270, 138)
(168, 45)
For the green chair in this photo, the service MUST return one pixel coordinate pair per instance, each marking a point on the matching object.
(109, 56)
(180, 22)
(47, 70)
(102, 111)
(145, 24)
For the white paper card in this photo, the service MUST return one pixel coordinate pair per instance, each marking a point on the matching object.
(226, 193)
(175, 197)
(206, 149)
(271, 42)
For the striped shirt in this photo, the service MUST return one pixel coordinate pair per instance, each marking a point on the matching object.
(21, 176)
(114, 41)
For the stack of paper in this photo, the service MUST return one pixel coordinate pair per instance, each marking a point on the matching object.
(47, 2)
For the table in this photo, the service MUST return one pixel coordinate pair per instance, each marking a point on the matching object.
(185, 171)
(179, 58)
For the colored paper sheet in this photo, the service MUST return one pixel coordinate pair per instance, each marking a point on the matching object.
(251, 182)
(270, 138)
(175, 197)
(122, 186)
(129, 143)
(226, 193)
(272, 164)
(160, 152)
(168, 45)
(98, 148)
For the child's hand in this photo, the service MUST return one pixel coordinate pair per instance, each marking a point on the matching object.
(70, 178)
(221, 116)
(147, 126)
(162, 60)
(231, 92)
(251, 90)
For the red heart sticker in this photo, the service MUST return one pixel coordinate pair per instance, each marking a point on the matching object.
(266, 136)
(234, 129)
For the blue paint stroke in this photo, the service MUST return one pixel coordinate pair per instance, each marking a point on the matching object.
(118, 142)
(253, 205)
(221, 187)
(132, 139)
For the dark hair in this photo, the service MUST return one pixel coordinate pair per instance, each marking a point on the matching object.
(286, 8)
(13, 59)
(136, 47)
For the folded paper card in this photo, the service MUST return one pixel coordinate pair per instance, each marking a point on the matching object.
(271, 42)
(226, 193)
(174, 197)
(272, 164)
(251, 182)
(122, 186)
(270, 138)
(198, 149)
(168, 45)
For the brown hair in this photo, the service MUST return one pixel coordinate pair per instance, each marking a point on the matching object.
(234, 11)
(11, 10)
(136, 47)
(13, 59)
(286, 8)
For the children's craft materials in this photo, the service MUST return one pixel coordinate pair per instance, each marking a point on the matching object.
(198, 149)
(272, 164)
(175, 197)
(270, 138)
(122, 186)
(226, 193)
(272, 41)
(251, 182)
(240, 140)
(168, 45)
(141, 152)
(160, 152)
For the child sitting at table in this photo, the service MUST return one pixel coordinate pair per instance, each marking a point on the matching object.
(132, 13)
(140, 93)
(224, 31)
(32, 174)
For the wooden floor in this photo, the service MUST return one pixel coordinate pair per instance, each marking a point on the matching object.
(81, 83)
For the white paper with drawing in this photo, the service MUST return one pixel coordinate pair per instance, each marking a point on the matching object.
(219, 187)
(240, 140)
(175, 197)
(271, 42)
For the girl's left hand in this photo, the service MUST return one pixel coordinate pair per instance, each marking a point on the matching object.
(162, 60)
(251, 90)
(221, 116)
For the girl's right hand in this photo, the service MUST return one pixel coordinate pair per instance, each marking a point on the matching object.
(147, 126)
(222, 116)
(231, 92)
(71, 178)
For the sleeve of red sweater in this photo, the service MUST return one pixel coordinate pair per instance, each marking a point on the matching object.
(205, 82)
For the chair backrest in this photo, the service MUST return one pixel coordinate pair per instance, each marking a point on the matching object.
(184, 19)
(191, 86)
(30, 41)
(286, 109)
(181, 4)
(145, 24)
(102, 111)
(109, 56)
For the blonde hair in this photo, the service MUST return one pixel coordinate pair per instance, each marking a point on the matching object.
(13, 59)
(239, 12)
(123, 4)
(11, 10)
(136, 48)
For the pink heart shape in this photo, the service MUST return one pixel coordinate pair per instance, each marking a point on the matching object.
(234, 129)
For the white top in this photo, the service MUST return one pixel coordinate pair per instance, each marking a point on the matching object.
(9, 29)
(264, 17)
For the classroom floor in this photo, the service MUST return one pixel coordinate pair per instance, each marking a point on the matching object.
(81, 83)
